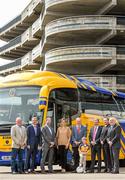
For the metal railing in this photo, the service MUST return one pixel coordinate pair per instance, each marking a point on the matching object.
(11, 23)
(36, 52)
(26, 59)
(121, 50)
(51, 2)
(11, 65)
(25, 13)
(11, 43)
(120, 79)
(36, 25)
(121, 20)
(81, 52)
(80, 22)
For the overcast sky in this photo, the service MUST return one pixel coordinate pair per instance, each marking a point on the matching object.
(9, 9)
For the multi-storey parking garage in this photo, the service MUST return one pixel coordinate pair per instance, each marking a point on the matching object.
(82, 37)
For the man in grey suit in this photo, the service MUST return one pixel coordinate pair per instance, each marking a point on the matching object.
(105, 145)
(19, 138)
(113, 139)
(48, 137)
(78, 132)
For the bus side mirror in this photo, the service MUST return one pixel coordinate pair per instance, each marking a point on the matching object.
(44, 93)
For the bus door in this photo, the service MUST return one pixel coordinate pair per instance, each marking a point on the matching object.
(58, 110)
(67, 110)
(63, 103)
(61, 109)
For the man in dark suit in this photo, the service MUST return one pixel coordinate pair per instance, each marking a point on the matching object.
(94, 138)
(113, 139)
(105, 145)
(78, 132)
(33, 141)
(48, 137)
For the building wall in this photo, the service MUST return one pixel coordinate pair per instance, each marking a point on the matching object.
(70, 36)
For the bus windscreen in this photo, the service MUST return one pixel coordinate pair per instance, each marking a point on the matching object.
(18, 102)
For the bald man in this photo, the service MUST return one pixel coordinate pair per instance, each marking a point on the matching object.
(78, 132)
(19, 138)
(113, 139)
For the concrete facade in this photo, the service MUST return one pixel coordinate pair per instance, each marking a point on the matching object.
(81, 37)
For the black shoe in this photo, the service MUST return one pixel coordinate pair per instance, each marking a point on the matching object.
(115, 172)
(33, 172)
(43, 172)
(109, 171)
(91, 171)
(26, 172)
(98, 171)
(20, 172)
(74, 171)
(50, 171)
(105, 171)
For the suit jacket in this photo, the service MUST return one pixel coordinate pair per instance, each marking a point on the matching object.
(78, 136)
(104, 133)
(32, 139)
(47, 137)
(18, 137)
(98, 134)
(114, 136)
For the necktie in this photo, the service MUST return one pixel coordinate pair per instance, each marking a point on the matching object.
(111, 127)
(78, 129)
(35, 129)
(50, 130)
(94, 133)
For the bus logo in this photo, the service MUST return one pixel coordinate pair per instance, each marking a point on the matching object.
(12, 92)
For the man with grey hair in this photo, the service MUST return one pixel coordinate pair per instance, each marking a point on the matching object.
(19, 138)
(113, 139)
(78, 132)
(94, 138)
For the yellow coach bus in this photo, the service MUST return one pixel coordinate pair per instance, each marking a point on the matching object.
(44, 93)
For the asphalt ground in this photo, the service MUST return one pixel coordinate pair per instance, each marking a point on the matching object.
(5, 174)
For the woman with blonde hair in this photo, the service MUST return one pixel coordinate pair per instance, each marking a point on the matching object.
(63, 137)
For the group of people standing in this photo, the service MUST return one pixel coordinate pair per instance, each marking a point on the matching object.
(108, 139)
(33, 138)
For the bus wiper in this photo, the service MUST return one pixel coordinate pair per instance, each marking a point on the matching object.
(117, 106)
(10, 112)
(122, 106)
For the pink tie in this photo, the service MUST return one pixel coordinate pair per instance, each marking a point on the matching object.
(94, 133)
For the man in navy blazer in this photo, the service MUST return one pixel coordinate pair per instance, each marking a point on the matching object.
(78, 132)
(33, 141)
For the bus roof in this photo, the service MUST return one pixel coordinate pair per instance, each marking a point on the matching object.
(120, 94)
(41, 78)
(36, 78)
(93, 86)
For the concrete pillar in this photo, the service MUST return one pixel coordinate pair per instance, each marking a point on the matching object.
(107, 37)
(107, 65)
(107, 7)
